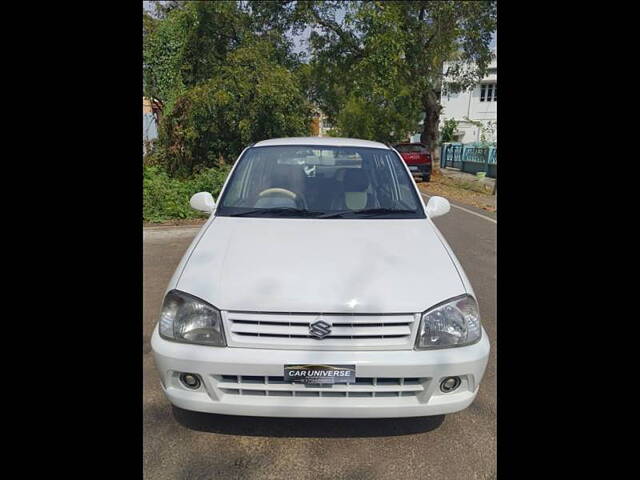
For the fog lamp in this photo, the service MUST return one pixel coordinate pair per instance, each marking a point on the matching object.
(449, 384)
(190, 380)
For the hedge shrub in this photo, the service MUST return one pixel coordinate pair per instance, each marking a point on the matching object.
(167, 198)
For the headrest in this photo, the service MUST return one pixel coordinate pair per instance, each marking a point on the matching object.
(355, 180)
(290, 176)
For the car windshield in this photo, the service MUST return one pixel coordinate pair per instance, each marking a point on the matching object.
(411, 148)
(320, 182)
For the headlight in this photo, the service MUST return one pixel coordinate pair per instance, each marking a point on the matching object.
(185, 318)
(450, 324)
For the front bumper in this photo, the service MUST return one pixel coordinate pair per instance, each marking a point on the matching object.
(223, 371)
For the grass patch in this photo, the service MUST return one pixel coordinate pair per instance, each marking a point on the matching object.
(474, 193)
(166, 198)
(478, 185)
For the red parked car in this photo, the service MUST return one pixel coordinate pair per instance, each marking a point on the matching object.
(417, 158)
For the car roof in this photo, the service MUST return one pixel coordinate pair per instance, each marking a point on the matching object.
(328, 141)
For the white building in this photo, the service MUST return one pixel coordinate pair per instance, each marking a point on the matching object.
(475, 110)
(149, 127)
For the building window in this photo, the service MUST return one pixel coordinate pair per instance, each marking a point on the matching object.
(489, 92)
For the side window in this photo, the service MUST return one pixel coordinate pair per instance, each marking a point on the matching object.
(406, 190)
(246, 178)
(257, 177)
(234, 191)
(382, 181)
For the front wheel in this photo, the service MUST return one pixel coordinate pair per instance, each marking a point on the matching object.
(426, 178)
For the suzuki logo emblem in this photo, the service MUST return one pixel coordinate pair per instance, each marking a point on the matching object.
(319, 329)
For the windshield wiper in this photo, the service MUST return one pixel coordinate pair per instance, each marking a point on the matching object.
(277, 212)
(367, 212)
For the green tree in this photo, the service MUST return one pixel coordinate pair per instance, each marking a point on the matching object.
(223, 73)
(251, 98)
(189, 45)
(448, 31)
(390, 55)
(161, 9)
(223, 76)
(448, 129)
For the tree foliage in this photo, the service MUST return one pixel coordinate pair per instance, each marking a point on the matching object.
(166, 197)
(448, 130)
(386, 59)
(189, 45)
(249, 99)
(223, 80)
(224, 75)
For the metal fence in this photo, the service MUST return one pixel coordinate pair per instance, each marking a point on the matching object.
(470, 158)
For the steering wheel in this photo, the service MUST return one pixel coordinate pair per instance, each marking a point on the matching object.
(283, 192)
(278, 192)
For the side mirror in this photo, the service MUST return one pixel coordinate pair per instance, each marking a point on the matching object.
(203, 201)
(437, 206)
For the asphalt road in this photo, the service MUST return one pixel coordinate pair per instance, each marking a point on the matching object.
(184, 445)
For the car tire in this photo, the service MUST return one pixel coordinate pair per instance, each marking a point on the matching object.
(426, 178)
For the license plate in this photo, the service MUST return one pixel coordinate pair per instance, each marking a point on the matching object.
(320, 374)
(413, 169)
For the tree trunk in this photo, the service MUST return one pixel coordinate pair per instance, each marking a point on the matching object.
(432, 108)
(156, 110)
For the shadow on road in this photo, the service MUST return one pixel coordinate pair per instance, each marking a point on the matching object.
(305, 427)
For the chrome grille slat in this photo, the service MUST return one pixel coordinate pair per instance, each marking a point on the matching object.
(348, 331)
(281, 330)
(351, 337)
(306, 318)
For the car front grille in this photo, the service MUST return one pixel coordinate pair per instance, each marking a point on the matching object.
(293, 331)
(364, 387)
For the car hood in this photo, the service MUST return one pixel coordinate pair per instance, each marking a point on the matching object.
(321, 266)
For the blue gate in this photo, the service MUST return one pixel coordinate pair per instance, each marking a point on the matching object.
(470, 158)
(452, 156)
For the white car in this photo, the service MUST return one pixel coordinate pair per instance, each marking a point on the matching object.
(320, 287)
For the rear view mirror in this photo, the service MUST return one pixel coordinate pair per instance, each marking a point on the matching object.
(203, 202)
(437, 206)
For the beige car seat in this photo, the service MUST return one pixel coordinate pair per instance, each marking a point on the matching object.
(355, 194)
